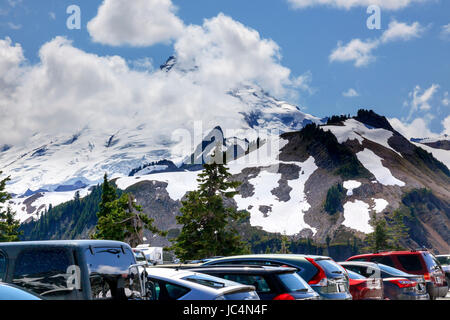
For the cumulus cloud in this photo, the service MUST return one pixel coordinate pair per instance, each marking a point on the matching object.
(419, 127)
(348, 4)
(70, 89)
(360, 51)
(445, 100)
(226, 52)
(136, 23)
(419, 100)
(350, 93)
(402, 31)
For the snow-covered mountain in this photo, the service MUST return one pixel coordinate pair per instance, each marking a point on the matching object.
(55, 167)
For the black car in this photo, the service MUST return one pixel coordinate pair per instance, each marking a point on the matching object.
(397, 284)
(271, 283)
(323, 274)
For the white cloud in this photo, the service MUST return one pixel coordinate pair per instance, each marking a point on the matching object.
(360, 51)
(418, 128)
(225, 49)
(350, 93)
(70, 89)
(356, 50)
(136, 23)
(52, 15)
(348, 4)
(445, 32)
(420, 99)
(402, 31)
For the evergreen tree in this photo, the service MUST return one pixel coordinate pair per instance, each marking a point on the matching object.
(399, 232)
(207, 223)
(378, 239)
(9, 226)
(284, 244)
(122, 219)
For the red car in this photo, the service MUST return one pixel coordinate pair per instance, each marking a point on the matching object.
(419, 262)
(362, 288)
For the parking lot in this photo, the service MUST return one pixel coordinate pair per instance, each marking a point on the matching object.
(446, 298)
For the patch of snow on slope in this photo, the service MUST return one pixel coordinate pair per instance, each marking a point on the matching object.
(350, 185)
(380, 205)
(355, 130)
(42, 203)
(284, 216)
(178, 183)
(373, 163)
(356, 216)
(440, 154)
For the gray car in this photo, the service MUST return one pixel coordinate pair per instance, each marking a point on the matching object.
(174, 284)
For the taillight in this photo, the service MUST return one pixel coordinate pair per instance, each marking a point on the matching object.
(403, 283)
(427, 276)
(284, 296)
(320, 278)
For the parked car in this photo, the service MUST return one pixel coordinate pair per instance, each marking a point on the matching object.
(155, 255)
(73, 270)
(419, 262)
(271, 283)
(363, 288)
(11, 292)
(323, 274)
(444, 260)
(175, 284)
(397, 285)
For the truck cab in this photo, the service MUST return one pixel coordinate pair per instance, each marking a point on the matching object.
(73, 270)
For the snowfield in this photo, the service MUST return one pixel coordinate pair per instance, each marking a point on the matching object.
(373, 163)
(355, 130)
(380, 205)
(357, 217)
(285, 217)
(350, 185)
(440, 154)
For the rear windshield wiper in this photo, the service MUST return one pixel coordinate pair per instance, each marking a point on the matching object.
(302, 290)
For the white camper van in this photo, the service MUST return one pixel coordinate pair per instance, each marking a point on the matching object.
(153, 254)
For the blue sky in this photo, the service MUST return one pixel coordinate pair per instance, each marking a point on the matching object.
(394, 82)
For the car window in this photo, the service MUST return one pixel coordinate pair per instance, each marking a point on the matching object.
(257, 281)
(410, 262)
(293, 282)
(106, 267)
(386, 260)
(444, 260)
(387, 271)
(430, 261)
(331, 268)
(2, 267)
(162, 290)
(355, 276)
(44, 271)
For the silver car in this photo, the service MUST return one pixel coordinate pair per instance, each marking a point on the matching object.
(174, 284)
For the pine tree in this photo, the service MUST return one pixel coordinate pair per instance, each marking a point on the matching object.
(122, 219)
(378, 239)
(9, 226)
(207, 223)
(399, 232)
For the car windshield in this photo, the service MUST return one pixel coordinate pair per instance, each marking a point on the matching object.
(392, 271)
(294, 282)
(355, 276)
(209, 281)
